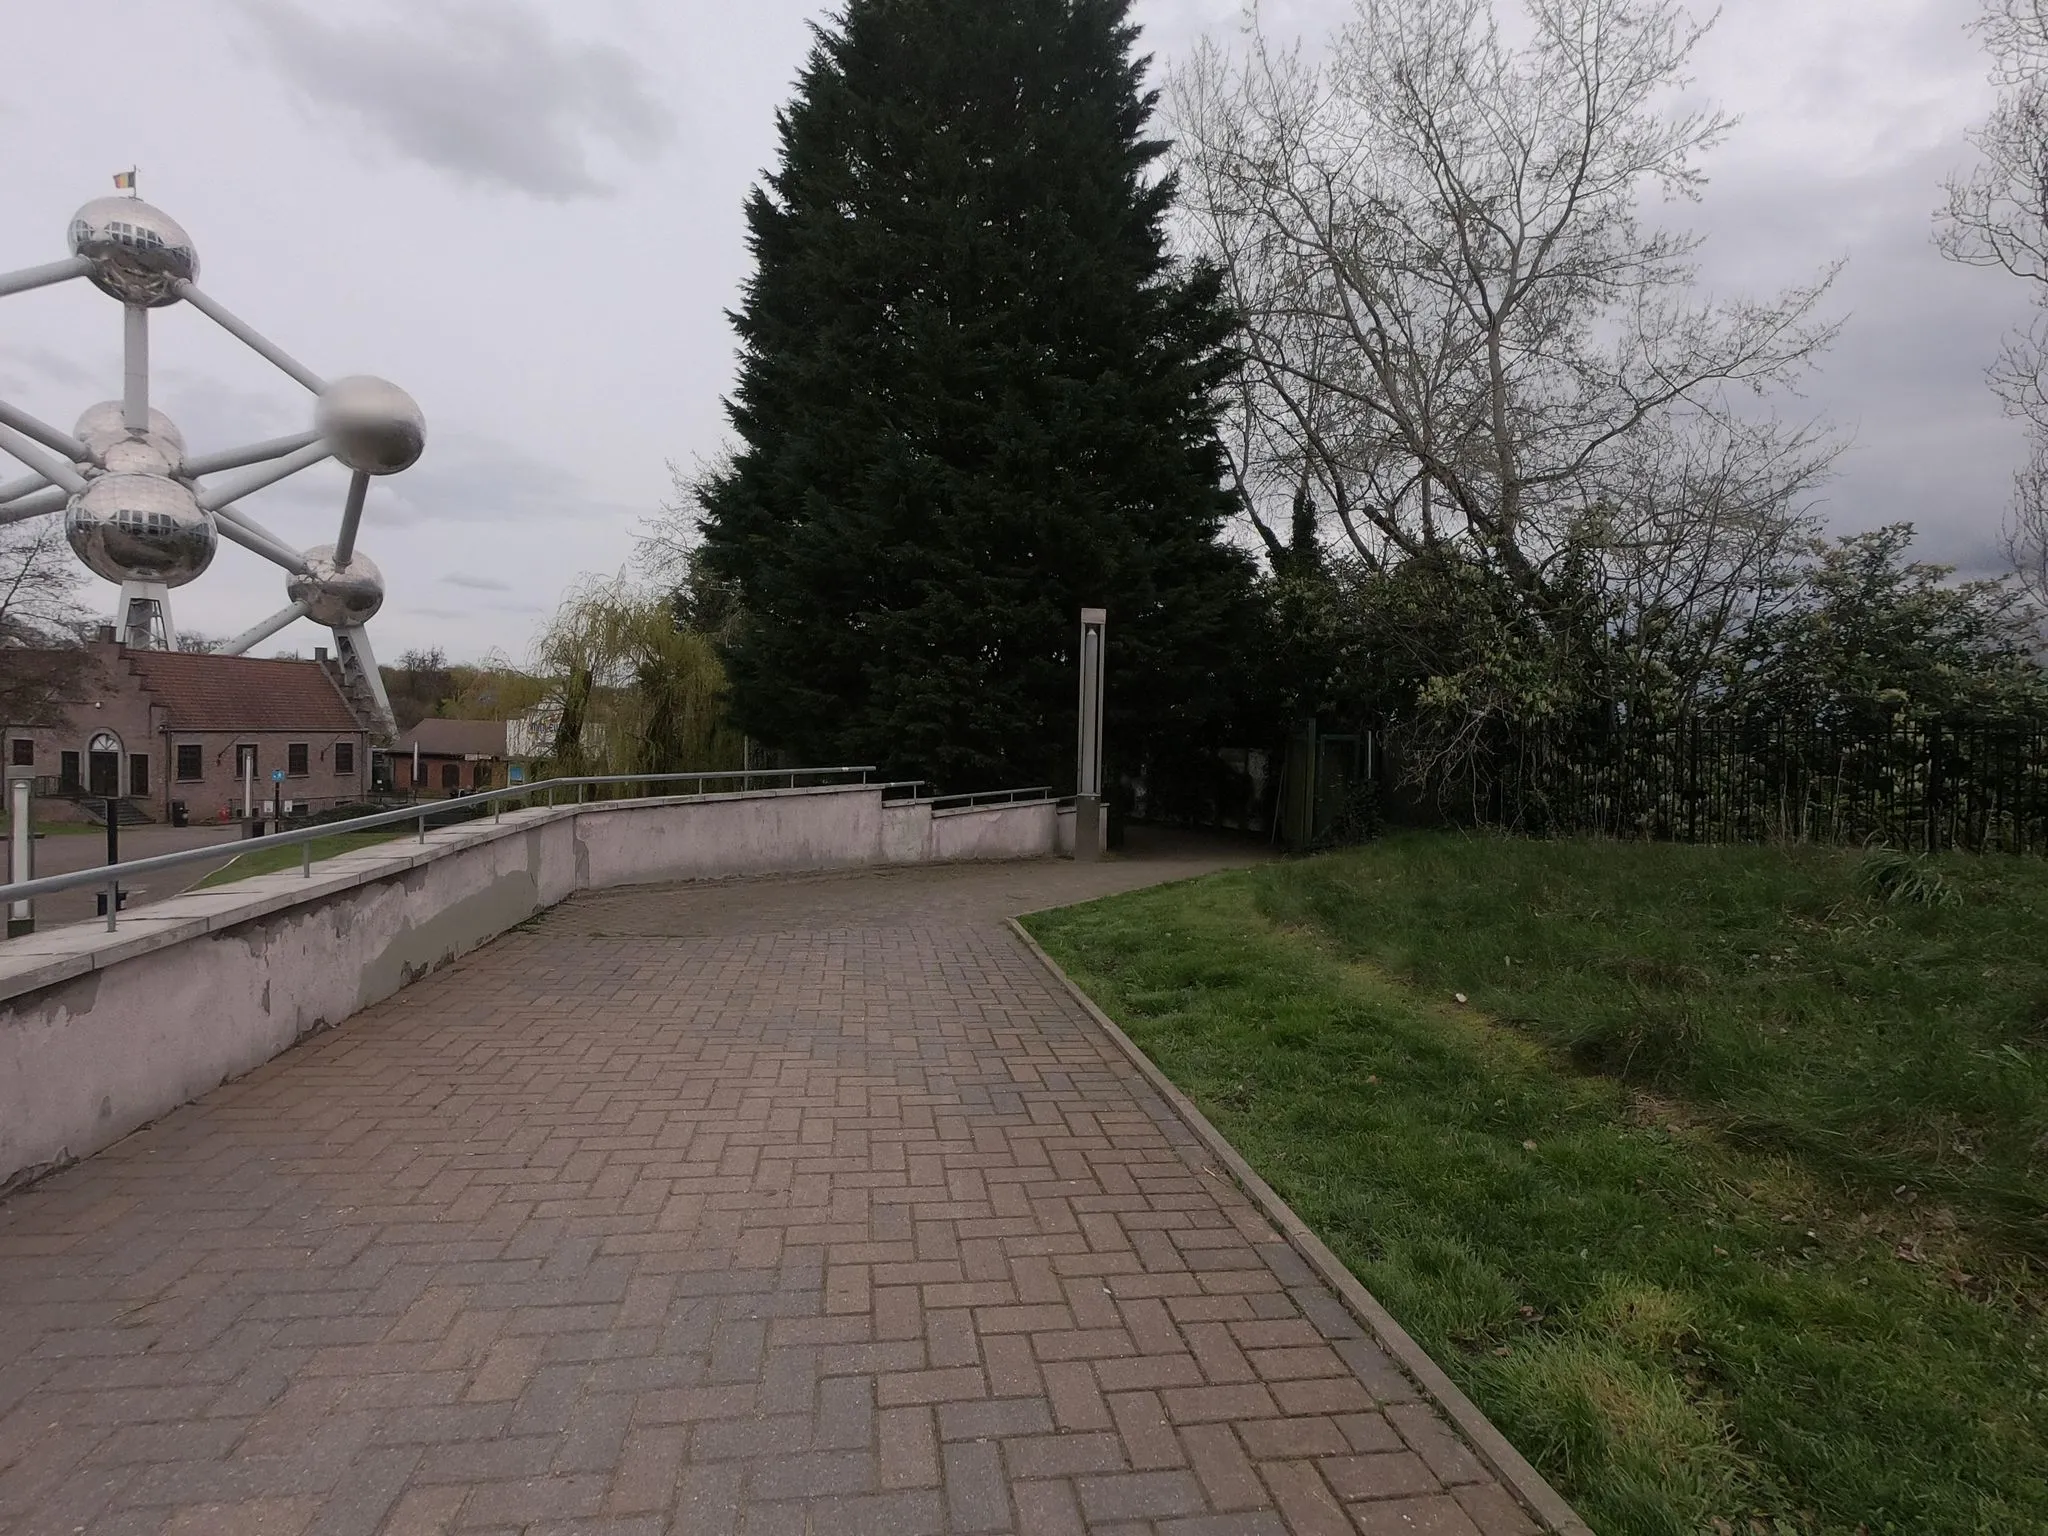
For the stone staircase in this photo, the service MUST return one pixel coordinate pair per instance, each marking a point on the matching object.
(128, 813)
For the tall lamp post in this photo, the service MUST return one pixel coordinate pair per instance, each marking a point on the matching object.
(1088, 778)
(21, 915)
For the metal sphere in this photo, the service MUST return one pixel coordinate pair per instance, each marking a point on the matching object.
(338, 596)
(373, 425)
(104, 429)
(141, 528)
(139, 254)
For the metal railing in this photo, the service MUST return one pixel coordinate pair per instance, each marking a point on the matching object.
(913, 792)
(108, 877)
(990, 797)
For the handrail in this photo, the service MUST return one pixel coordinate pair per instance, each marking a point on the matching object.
(109, 876)
(989, 797)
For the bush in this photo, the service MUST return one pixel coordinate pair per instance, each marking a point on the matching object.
(1898, 878)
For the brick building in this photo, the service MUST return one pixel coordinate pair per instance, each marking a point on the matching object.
(454, 756)
(161, 726)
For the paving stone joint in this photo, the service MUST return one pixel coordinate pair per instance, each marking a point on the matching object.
(797, 1205)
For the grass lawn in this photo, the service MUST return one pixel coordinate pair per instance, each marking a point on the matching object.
(1725, 1191)
(268, 861)
(56, 829)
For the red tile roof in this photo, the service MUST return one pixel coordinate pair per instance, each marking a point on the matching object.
(242, 693)
(455, 738)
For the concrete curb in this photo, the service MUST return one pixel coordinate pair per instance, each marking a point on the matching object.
(1508, 1464)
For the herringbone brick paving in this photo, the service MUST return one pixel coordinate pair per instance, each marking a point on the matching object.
(782, 1206)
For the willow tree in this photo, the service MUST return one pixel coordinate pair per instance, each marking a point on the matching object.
(633, 690)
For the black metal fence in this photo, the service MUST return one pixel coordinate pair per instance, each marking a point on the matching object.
(1919, 786)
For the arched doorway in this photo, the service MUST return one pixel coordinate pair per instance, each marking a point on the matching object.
(103, 765)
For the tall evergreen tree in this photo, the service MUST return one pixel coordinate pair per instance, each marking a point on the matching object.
(976, 394)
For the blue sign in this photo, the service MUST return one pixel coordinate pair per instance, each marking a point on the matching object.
(518, 773)
(277, 775)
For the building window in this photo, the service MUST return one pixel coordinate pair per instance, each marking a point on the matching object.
(345, 758)
(67, 772)
(24, 752)
(138, 773)
(295, 760)
(191, 762)
(451, 775)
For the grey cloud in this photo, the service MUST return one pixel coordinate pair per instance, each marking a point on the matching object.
(468, 478)
(477, 583)
(214, 413)
(1929, 444)
(486, 92)
(23, 364)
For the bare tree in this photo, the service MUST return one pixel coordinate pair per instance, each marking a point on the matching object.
(1460, 330)
(42, 665)
(39, 581)
(1997, 216)
(1706, 543)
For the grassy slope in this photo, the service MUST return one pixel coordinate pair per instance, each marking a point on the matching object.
(268, 861)
(1655, 1224)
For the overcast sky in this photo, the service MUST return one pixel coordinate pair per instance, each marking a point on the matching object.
(529, 216)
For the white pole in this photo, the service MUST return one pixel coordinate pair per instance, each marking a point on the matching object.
(1088, 769)
(250, 638)
(41, 277)
(246, 334)
(135, 370)
(351, 519)
(21, 916)
(241, 458)
(249, 785)
(415, 768)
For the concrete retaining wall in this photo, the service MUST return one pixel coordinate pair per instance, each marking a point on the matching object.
(103, 1032)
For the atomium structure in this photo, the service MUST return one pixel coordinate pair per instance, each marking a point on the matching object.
(143, 512)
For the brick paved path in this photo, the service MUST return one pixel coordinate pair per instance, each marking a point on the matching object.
(786, 1206)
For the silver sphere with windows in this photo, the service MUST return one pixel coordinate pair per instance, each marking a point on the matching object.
(337, 595)
(375, 426)
(139, 254)
(141, 528)
(141, 510)
(158, 450)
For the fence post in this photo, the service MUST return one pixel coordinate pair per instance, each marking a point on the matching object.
(1934, 788)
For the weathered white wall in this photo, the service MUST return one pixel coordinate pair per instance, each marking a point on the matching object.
(103, 1032)
(993, 832)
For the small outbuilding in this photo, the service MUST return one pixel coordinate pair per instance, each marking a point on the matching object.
(451, 757)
